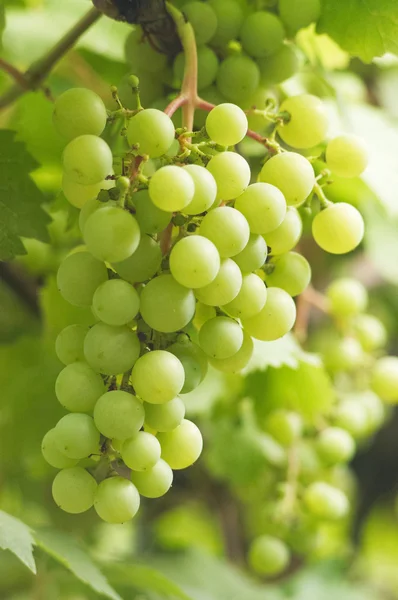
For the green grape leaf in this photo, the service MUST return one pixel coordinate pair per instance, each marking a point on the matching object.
(145, 579)
(21, 213)
(17, 537)
(364, 28)
(69, 553)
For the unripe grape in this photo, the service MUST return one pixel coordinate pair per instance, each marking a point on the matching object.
(297, 14)
(142, 56)
(291, 273)
(226, 124)
(347, 155)
(143, 263)
(229, 20)
(205, 190)
(275, 320)
(250, 300)
(194, 361)
(77, 437)
(262, 34)
(52, 454)
(264, 207)
(87, 160)
(325, 501)
(69, 345)
(285, 426)
(78, 277)
(335, 445)
(111, 234)
(238, 77)
(227, 228)
(385, 378)
(347, 297)
(207, 67)
(338, 229)
(224, 288)
(343, 354)
(280, 66)
(155, 482)
(78, 387)
(308, 121)
(141, 452)
(194, 261)
(351, 415)
(74, 490)
(237, 362)
(221, 337)
(232, 174)
(151, 219)
(158, 377)
(152, 130)
(171, 188)
(370, 332)
(268, 556)
(111, 350)
(116, 302)
(292, 174)
(79, 195)
(116, 500)
(182, 446)
(165, 417)
(166, 305)
(253, 255)
(286, 236)
(203, 20)
(118, 415)
(79, 111)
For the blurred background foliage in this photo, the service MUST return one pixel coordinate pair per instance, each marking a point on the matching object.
(179, 546)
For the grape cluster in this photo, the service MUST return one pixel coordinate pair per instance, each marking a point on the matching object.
(185, 261)
(242, 51)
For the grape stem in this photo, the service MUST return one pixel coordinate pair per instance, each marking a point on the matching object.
(310, 297)
(35, 75)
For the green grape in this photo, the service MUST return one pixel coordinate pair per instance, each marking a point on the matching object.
(207, 67)
(194, 261)
(335, 445)
(292, 174)
(143, 264)
(347, 155)
(111, 234)
(194, 361)
(119, 415)
(203, 20)
(227, 228)
(264, 207)
(171, 188)
(150, 218)
(370, 332)
(232, 174)
(343, 355)
(155, 482)
(69, 345)
(250, 300)
(286, 236)
(308, 121)
(111, 350)
(141, 55)
(229, 21)
(347, 297)
(88, 209)
(352, 416)
(182, 446)
(385, 378)
(374, 409)
(212, 95)
(78, 195)
(275, 320)
(79, 111)
(221, 337)
(285, 426)
(238, 77)
(150, 86)
(262, 34)
(78, 387)
(291, 272)
(87, 160)
(225, 287)
(253, 256)
(338, 229)
(166, 305)
(52, 454)
(325, 501)
(203, 313)
(77, 437)
(158, 377)
(205, 190)
(116, 302)
(297, 14)
(282, 65)
(268, 556)
(78, 277)
(74, 490)
(165, 417)
(238, 361)
(152, 131)
(141, 452)
(116, 500)
(226, 124)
